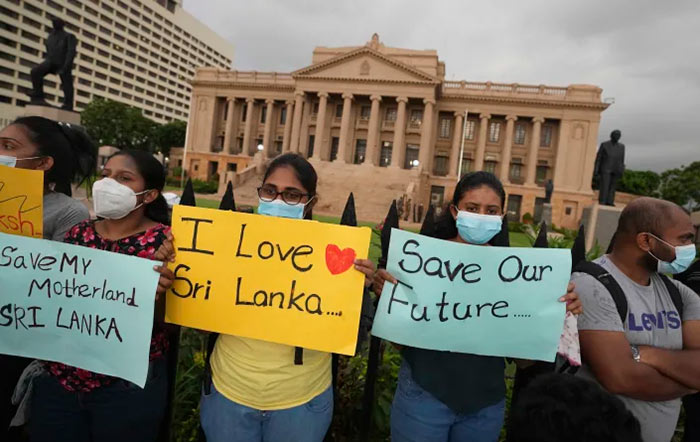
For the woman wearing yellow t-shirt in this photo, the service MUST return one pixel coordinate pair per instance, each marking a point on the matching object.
(264, 391)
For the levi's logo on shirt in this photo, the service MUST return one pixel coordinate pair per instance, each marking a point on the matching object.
(650, 321)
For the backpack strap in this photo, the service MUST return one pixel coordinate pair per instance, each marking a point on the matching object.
(675, 294)
(605, 278)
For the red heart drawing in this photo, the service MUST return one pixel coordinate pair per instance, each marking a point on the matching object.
(338, 261)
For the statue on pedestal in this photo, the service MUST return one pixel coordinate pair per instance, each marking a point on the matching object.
(609, 166)
(60, 52)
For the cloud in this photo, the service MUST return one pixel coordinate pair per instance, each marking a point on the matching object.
(641, 52)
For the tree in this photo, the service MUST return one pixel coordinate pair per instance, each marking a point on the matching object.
(110, 123)
(682, 185)
(640, 182)
(170, 135)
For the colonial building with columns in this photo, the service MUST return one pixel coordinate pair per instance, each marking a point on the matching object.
(384, 123)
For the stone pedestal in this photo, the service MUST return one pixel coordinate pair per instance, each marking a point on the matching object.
(547, 214)
(600, 223)
(52, 113)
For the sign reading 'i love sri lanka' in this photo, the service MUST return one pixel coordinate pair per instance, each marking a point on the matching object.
(274, 279)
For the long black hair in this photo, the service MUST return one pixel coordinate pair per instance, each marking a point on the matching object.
(304, 171)
(73, 152)
(153, 175)
(446, 226)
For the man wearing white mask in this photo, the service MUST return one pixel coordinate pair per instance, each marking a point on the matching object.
(640, 330)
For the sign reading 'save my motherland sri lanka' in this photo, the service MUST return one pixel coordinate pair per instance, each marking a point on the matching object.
(494, 301)
(275, 279)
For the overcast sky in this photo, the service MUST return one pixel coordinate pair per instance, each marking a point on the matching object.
(644, 54)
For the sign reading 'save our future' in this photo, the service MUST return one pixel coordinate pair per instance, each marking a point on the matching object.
(21, 201)
(280, 280)
(83, 307)
(494, 301)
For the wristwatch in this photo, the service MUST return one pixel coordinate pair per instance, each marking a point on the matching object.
(635, 353)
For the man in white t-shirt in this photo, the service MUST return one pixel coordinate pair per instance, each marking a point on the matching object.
(652, 358)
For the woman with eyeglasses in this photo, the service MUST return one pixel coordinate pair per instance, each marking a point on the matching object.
(263, 391)
(66, 155)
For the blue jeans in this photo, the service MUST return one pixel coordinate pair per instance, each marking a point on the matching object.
(226, 421)
(417, 416)
(117, 412)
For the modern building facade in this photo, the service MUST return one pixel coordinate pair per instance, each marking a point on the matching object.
(139, 52)
(384, 123)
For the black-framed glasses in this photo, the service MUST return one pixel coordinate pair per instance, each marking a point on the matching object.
(289, 196)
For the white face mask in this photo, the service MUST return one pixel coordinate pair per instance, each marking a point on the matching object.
(113, 200)
(10, 161)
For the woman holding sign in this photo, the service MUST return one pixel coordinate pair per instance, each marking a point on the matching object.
(263, 391)
(73, 404)
(445, 396)
(66, 156)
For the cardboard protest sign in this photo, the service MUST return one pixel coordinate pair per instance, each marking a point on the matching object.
(21, 201)
(76, 305)
(275, 279)
(495, 301)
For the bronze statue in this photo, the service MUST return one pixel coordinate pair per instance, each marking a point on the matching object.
(60, 52)
(609, 166)
(548, 189)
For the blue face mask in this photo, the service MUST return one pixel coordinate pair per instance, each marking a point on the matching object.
(281, 209)
(6, 160)
(685, 255)
(475, 228)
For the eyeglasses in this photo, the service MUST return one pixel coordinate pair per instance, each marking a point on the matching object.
(289, 196)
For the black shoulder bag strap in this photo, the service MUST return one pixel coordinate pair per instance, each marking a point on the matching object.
(605, 278)
(675, 294)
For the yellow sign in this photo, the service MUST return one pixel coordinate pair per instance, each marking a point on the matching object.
(21, 201)
(275, 279)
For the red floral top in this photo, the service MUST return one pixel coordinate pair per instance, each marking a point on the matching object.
(144, 245)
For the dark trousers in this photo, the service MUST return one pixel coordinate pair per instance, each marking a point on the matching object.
(692, 418)
(119, 412)
(608, 182)
(11, 368)
(42, 70)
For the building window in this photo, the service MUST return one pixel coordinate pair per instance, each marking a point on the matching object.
(360, 150)
(519, 137)
(278, 147)
(541, 175)
(339, 111)
(283, 115)
(466, 166)
(516, 171)
(310, 150)
(494, 131)
(490, 167)
(365, 112)
(335, 143)
(416, 116)
(314, 108)
(263, 114)
(546, 137)
(513, 207)
(390, 114)
(244, 111)
(385, 154)
(411, 160)
(441, 165)
(445, 126)
(437, 196)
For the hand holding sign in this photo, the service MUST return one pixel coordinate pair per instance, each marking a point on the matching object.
(247, 275)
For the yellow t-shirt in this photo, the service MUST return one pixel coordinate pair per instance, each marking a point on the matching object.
(262, 375)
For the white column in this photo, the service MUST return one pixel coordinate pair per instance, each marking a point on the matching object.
(507, 149)
(481, 142)
(288, 126)
(426, 135)
(229, 125)
(532, 154)
(456, 143)
(296, 124)
(372, 155)
(320, 125)
(247, 134)
(269, 126)
(398, 152)
(345, 129)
